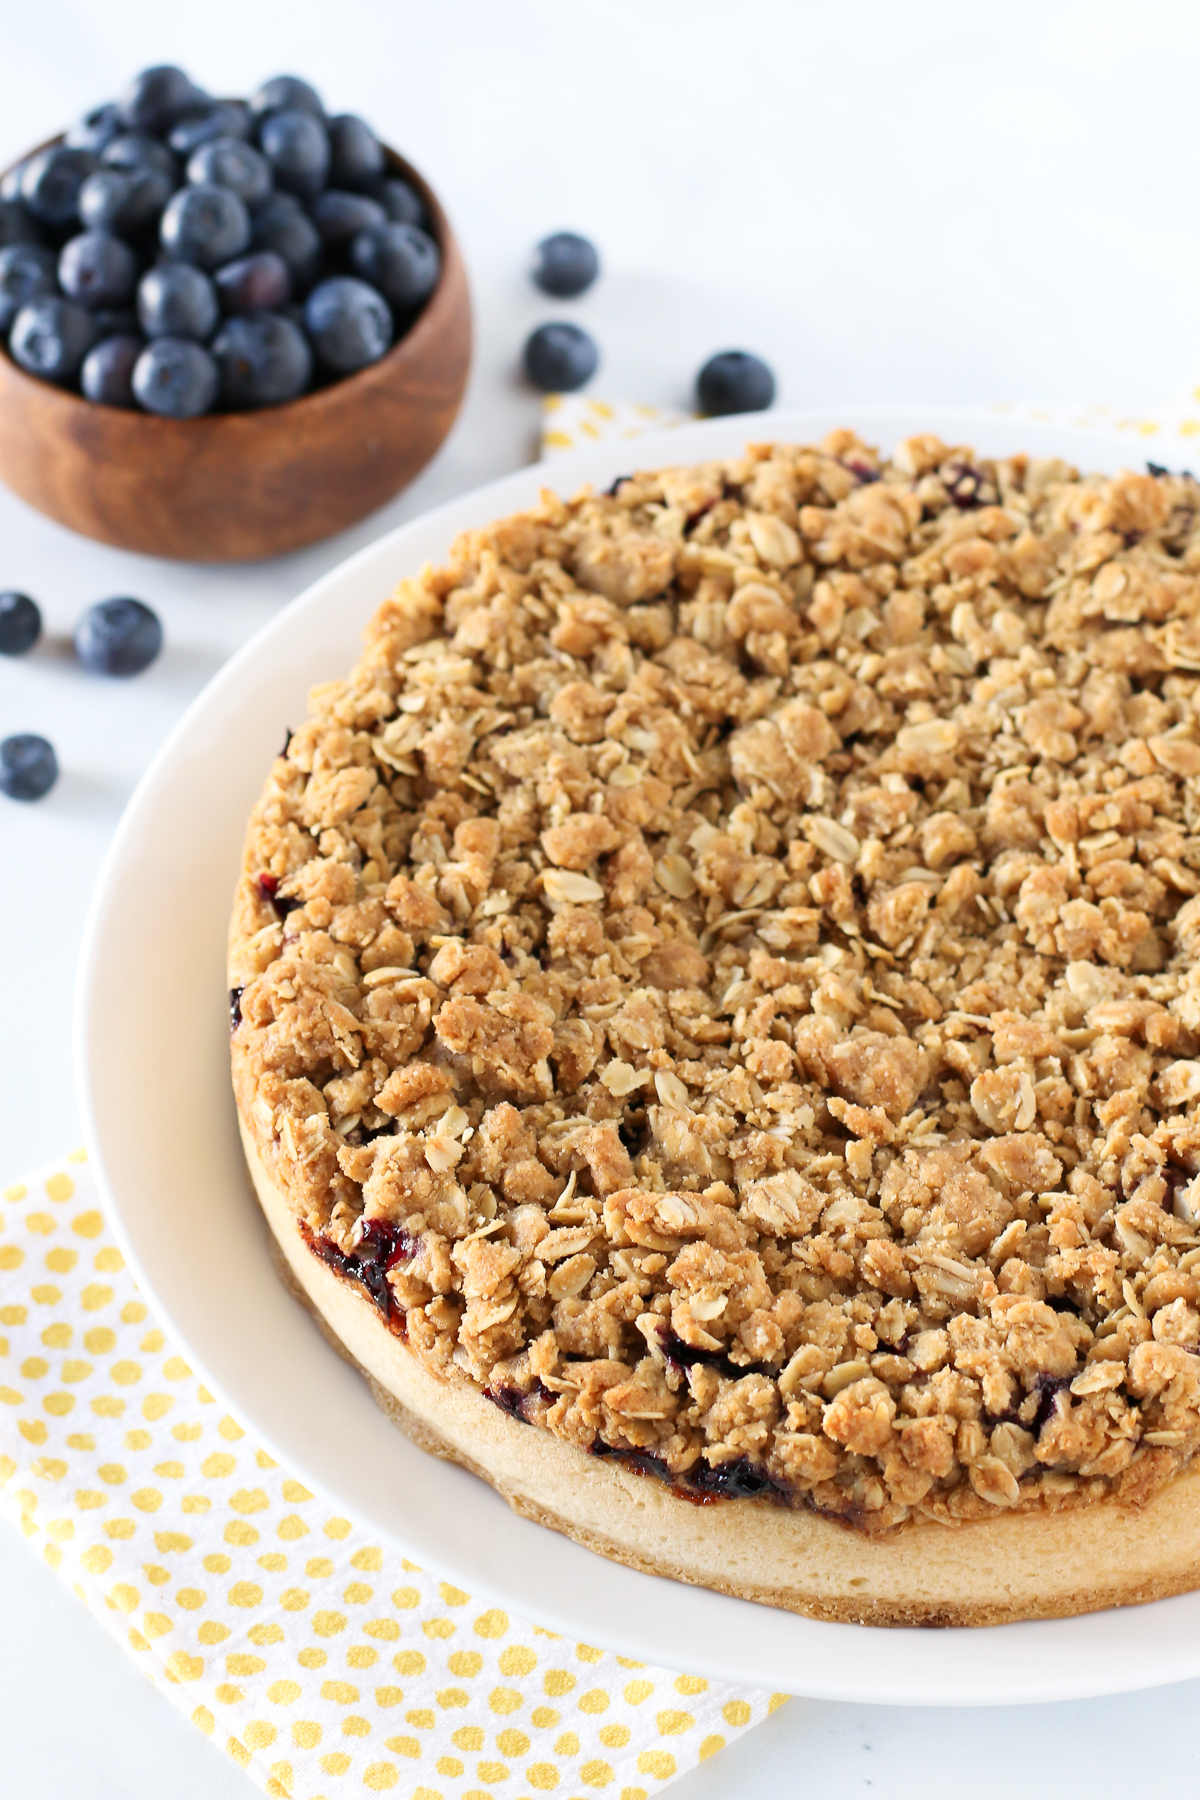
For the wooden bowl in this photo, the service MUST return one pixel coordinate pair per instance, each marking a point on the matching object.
(233, 487)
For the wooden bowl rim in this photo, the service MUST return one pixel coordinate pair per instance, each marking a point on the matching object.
(403, 354)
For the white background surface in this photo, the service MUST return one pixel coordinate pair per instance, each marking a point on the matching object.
(927, 202)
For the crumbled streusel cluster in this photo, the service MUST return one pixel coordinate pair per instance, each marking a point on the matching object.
(741, 930)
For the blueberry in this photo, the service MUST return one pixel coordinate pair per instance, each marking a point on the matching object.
(733, 381)
(113, 321)
(97, 269)
(263, 359)
(177, 300)
(286, 93)
(135, 151)
(205, 224)
(348, 323)
(96, 128)
(156, 97)
(219, 118)
(51, 337)
(16, 226)
(10, 181)
(126, 201)
(297, 147)
(107, 373)
(26, 273)
(229, 163)
(118, 637)
(51, 180)
(402, 261)
(28, 766)
(559, 358)
(400, 201)
(176, 378)
(567, 264)
(282, 225)
(355, 154)
(254, 283)
(340, 216)
(20, 624)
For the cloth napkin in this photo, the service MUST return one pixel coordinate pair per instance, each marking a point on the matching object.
(321, 1661)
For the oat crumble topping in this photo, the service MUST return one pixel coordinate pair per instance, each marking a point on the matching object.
(740, 931)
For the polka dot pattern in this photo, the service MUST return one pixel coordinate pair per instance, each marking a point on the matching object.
(321, 1662)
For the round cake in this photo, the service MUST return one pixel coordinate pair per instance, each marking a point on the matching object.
(716, 1025)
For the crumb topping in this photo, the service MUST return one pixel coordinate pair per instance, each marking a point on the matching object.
(735, 939)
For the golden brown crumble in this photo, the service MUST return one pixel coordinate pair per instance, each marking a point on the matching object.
(742, 928)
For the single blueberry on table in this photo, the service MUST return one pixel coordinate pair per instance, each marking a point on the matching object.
(125, 201)
(566, 265)
(96, 128)
(263, 359)
(107, 373)
(51, 336)
(205, 224)
(356, 155)
(28, 766)
(20, 624)
(340, 216)
(26, 272)
(256, 283)
(219, 118)
(51, 180)
(156, 97)
(231, 164)
(97, 269)
(134, 150)
(349, 324)
(177, 300)
(733, 381)
(402, 261)
(286, 93)
(297, 147)
(283, 225)
(399, 200)
(559, 358)
(118, 637)
(175, 378)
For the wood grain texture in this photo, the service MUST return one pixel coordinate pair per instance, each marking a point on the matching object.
(236, 487)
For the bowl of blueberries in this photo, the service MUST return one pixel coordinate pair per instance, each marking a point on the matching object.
(230, 327)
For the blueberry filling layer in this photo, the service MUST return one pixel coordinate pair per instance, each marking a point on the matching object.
(381, 1248)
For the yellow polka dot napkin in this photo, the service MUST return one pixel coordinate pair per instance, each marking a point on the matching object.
(320, 1661)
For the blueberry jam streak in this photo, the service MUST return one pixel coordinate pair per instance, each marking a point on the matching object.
(381, 1248)
(968, 486)
(268, 886)
(737, 1480)
(1049, 1387)
(512, 1401)
(235, 1008)
(684, 1356)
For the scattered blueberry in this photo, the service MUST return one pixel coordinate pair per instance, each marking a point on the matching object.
(263, 359)
(26, 272)
(96, 128)
(229, 163)
(107, 373)
(283, 225)
(51, 180)
(133, 150)
(177, 300)
(400, 201)
(118, 637)
(125, 201)
(567, 265)
(286, 93)
(355, 154)
(97, 269)
(340, 216)
(400, 260)
(28, 766)
(175, 378)
(157, 97)
(219, 118)
(20, 624)
(350, 325)
(205, 224)
(51, 337)
(297, 147)
(559, 358)
(733, 381)
(256, 283)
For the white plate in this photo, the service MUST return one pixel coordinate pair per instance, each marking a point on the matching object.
(153, 1061)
